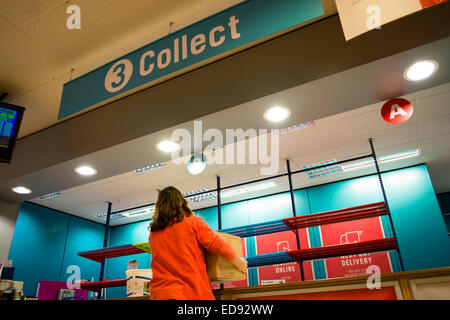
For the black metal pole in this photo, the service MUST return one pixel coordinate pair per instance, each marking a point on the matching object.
(291, 191)
(105, 241)
(219, 213)
(402, 265)
(219, 205)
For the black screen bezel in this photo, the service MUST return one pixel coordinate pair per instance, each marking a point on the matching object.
(6, 153)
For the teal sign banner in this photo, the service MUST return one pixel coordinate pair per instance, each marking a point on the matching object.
(235, 27)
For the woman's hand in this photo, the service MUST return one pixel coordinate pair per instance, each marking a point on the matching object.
(240, 263)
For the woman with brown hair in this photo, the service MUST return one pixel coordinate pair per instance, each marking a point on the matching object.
(177, 242)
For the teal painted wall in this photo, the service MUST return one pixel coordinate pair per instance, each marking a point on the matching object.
(82, 235)
(418, 220)
(210, 217)
(116, 267)
(46, 242)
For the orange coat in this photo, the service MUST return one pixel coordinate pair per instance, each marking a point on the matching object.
(178, 260)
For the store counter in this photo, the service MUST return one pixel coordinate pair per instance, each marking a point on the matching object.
(431, 284)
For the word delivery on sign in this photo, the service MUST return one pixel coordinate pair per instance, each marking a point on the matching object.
(234, 28)
(120, 73)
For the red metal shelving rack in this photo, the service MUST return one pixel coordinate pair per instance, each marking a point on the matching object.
(336, 216)
(378, 245)
(99, 255)
(99, 285)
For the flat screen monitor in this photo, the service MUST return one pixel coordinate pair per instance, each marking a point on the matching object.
(10, 120)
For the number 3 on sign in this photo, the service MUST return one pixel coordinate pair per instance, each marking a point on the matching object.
(118, 75)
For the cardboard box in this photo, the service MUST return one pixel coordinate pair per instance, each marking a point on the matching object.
(6, 284)
(219, 269)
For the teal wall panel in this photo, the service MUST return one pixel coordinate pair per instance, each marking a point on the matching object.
(235, 215)
(209, 215)
(116, 267)
(37, 247)
(82, 235)
(417, 218)
(270, 208)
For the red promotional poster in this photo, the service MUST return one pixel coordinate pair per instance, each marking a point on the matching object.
(235, 284)
(287, 272)
(351, 232)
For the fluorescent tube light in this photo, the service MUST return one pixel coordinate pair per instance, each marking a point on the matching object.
(386, 159)
(357, 165)
(260, 186)
(150, 168)
(253, 188)
(138, 212)
(323, 171)
(232, 193)
(50, 196)
(400, 156)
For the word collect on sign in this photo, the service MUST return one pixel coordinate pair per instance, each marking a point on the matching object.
(224, 33)
(120, 73)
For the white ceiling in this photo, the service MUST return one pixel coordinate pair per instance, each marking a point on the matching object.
(337, 137)
(38, 52)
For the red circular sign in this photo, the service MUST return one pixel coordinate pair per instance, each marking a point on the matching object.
(397, 111)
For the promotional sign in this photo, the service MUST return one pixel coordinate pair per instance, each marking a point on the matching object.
(286, 272)
(351, 232)
(237, 27)
(358, 17)
(397, 111)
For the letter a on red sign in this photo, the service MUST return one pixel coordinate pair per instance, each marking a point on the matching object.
(397, 111)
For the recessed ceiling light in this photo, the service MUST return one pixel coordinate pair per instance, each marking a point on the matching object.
(167, 146)
(86, 171)
(21, 190)
(277, 114)
(421, 70)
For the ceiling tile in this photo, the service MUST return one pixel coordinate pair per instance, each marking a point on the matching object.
(396, 136)
(31, 63)
(302, 140)
(434, 91)
(42, 104)
(137, 43)
(126, 20)
(75, 47)
(5, 28)
(20, 12)
(434, 127)
(343, 129)
(196, 11)
(12, 83)
(434, 106)
(435, 144)
(28, 127)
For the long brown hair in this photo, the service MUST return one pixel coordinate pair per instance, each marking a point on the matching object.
(170, 208)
